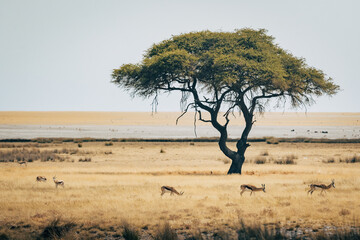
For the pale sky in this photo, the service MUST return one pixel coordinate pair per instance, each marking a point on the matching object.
(59, 55)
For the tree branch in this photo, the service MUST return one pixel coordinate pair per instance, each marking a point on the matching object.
(253, 102)
(185, 111)
(201, 119)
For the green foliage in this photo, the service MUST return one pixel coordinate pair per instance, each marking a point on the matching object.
(245, 61)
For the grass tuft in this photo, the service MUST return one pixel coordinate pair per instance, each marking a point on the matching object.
(258, 232)
(166, 233)
(129, 233)
(260, 160)
(288, 160)
(55, 230)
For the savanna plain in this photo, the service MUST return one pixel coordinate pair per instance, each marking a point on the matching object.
(109, 184)
(112, 190)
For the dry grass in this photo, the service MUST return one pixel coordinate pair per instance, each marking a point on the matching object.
(100, 194)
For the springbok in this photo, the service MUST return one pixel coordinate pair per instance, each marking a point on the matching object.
(23, 163)
(251, 188)
(323, 187)
(172, 190)
(41, 179)
(58, 182)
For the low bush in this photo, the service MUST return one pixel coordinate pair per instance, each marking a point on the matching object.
(258, 232)
(260, 160)
(166, 233)
(272, 140)
(129, 233)
(226, 161)
(289, 159)
(353, 159)
(330, 160)
(26, 155)
(85, 160)
(55, 230)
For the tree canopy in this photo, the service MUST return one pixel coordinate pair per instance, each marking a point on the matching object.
(228, 71)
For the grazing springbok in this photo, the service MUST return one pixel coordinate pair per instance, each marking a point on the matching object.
(41, 179)
(323, 187)
(251, 188)
(22, 163)
(172, 190)
(58, 182)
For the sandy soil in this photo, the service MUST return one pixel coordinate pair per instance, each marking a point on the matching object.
(123, 180)
(169, 118)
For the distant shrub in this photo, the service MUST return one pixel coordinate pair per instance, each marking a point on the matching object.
(108, 152)
(353, 159)
(226, 161)
(289, 159)
(272, 140)
(108, 144)
(162, 151)
(264, 153)
(79, 145)
(344, 212)
(29, 155)
(260, 160)
(66, 151)
(85, 160)
(192, 144)
(330, 160)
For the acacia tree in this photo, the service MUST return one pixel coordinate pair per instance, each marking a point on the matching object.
(225, 72)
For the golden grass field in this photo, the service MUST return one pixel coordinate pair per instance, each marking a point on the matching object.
(125, 186)
(122, 182)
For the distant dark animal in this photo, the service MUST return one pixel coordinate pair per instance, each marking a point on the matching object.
(172, 190)
(41, 179)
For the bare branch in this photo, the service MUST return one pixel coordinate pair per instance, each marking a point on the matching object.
(226, 114)
(201, 119)
(253, 103)
(185, 111)
(154, 103)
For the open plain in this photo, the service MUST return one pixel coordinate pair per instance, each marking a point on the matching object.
(111, 185)
(121, 181)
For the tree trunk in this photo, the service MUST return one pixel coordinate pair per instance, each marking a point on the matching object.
(236, 164)
(239, 157)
